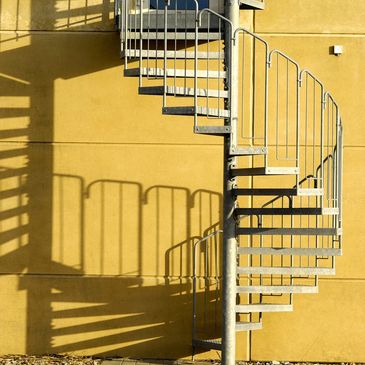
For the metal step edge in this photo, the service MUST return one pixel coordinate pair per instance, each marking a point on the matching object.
(208, 344)
(134, 53)
(171, 72)
(286, 211)
(248, 326)
(172, 35)
(252, 4)
(263, 270)
(263, 308)
(265, 171)
(290, 231)
(248, 151)
(289, 251)
(182, 91)
(200, 110)
(213, 130)
(278, 289)
(266, 192)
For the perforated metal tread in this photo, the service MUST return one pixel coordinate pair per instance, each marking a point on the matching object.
(278, 192)
(171, 72)
(213, 130)
(252, 4)
(256, 308)
(208, 344)
(248, 326)
(152, 53)
(265, 171)
(265, 270)
(286, 211)
(248, 151)
(200, 110)
(153, 35)
(278, 289)
(290, 231)
(182, 91)
(289, 251)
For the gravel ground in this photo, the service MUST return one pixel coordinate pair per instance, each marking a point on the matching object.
(77, 360)
(48, 360)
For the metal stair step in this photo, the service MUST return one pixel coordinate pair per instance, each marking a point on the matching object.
(153, 35)
(252, 4)
(286, 211)
(200, 110)
(251, 171)
(213, 130)
(248, 326)
(255, 308)
(271, 270)
(182, 91)
(208, 344)
(290, 231)
(278, 289)
(248, 151)
(278, 192)
(152, 53)
(172, 72)
(290, 251)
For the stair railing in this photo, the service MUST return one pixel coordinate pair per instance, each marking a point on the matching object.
(204, 240)
(248, 136)
(218, 22)
(182, 15)
(312, 87)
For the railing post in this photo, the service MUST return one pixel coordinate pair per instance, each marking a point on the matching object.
(229, 230)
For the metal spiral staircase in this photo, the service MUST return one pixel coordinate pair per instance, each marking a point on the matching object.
(282, 136)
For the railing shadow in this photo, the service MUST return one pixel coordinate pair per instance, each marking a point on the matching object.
(88, 257)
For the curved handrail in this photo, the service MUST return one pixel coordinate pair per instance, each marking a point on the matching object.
(207, 10)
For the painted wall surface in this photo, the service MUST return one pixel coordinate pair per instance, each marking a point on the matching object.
(102, 197)
(328, 326)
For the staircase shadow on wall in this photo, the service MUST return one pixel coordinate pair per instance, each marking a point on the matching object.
(80, 295)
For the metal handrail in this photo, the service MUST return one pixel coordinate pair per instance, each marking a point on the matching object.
(204, 239)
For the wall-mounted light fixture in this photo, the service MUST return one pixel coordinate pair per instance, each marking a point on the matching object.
(337, 50)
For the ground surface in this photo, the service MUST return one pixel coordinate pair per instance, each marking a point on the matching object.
(76, 360)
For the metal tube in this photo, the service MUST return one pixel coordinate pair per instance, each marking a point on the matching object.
(165, 54)
(229, 230)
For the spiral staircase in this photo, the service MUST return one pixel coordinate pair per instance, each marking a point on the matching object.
(283, 147)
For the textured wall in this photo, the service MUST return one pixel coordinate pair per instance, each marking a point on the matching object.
(102, 197)
(328, 326)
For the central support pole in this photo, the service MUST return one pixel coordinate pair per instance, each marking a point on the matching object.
(229, 201)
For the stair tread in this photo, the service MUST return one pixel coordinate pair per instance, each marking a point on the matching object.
(215, 344)
(265, 171)
(290, 231)
(213, 130)
(286, 211)
(182, 91)
(290, 251)
(278, 191)
(152, 35)
(248, 326)
(281, 270)
(248, 151)
(152, 53)
(171, 72)
(263, 307)
(278, 289)
(200, 110)
(252, 4)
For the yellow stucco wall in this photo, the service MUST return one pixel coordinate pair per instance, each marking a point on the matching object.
(101, 197)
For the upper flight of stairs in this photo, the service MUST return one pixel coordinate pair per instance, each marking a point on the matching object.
(289, 161)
